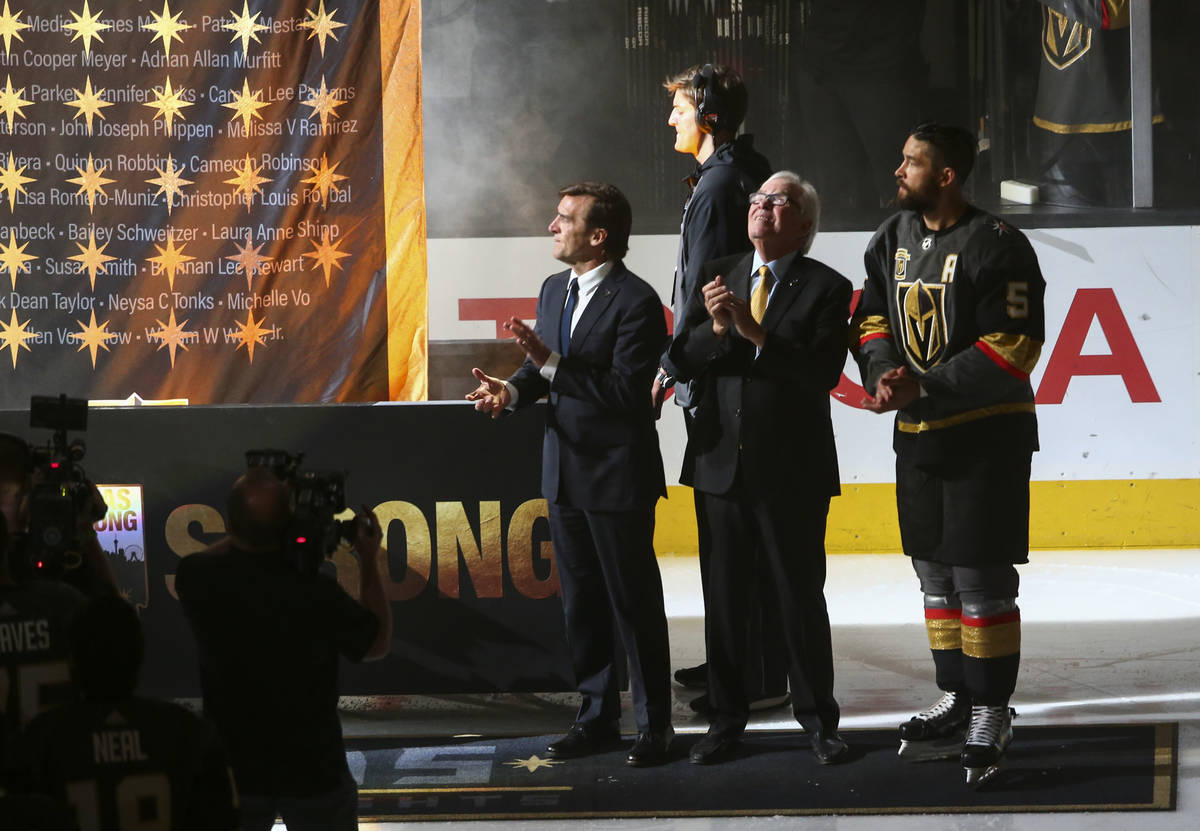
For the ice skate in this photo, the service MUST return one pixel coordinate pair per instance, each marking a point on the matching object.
(937, 732)
(987, 739)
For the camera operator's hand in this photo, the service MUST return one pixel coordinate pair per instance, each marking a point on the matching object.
(92, 510)
(367, 539)
(96, 577)
(368, 536)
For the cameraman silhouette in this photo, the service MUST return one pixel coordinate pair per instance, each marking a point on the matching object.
(36, 609)
(119, 760)
(269, 636)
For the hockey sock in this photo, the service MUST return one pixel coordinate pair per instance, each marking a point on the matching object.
(943, 626)
(991, 648)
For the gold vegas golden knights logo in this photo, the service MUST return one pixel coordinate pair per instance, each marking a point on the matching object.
(902, 258)
(1064, 41)
(924, 330)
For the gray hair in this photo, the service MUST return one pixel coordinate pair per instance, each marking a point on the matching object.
(805, 198)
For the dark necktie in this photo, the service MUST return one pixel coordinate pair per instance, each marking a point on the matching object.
(564, 328)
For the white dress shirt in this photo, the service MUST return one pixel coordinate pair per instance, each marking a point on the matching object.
(589, 281)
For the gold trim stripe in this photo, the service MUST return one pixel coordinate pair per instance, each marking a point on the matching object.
(516, 789)
(1165, 742)
(1075, 129)
(944, 633)
(404, 200)
(868, 326)
(963, 418)
(1019, 351)
(991, 641)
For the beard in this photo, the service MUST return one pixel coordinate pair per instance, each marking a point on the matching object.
(921, 200)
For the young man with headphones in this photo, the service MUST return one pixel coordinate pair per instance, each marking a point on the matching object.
(708, 105)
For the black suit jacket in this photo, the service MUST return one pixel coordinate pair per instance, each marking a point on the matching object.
(768, 415)
(600, 450)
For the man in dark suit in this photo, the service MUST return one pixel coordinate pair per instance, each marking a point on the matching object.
(594, 352)
(765, 340)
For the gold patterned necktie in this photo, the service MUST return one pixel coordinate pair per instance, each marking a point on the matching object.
(758, 300)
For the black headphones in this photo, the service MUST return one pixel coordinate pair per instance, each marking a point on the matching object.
(708, 99)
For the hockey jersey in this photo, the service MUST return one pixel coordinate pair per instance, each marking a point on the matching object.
(962, 308)
(130, 763)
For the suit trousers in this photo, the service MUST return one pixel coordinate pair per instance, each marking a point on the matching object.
(765, 667)
(788, 534)
(610, 581)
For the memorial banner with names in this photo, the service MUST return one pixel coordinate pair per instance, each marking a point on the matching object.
(196, 200)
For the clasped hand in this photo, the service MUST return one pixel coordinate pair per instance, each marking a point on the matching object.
(895, 390)
(727, 309)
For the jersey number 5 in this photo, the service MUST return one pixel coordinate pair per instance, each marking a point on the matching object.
(23, 688)
(1018, 300)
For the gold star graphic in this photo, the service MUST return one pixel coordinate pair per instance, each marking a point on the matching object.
(246, 105)
(11, 101)
(248, 260)
(92, 181)
(323, 103)
(169, 182)
(172, 335)
(244, 27)
(250, 334)
(532, 763)
(13, 336)
(92, 259)
(87, 26)
(13, 258)
(247, 181)
(12, 180)
(89, 103)
(93, 337)
(324, 180)
(168, 104)
(166, 27)
(326, 255)
(321, 25)
(169, 259)
(10, 27)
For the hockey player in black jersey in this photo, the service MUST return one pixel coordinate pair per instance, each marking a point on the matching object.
(948, 328)
(118, 760)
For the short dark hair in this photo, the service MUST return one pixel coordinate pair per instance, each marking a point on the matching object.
(259, 508)
(953, 147)
(16, 459)
(610, 210)
(107, 647)
(728, 94)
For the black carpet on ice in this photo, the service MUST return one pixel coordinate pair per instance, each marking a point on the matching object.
(1114, 767)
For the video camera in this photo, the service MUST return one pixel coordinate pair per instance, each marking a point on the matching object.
(62, 494)
(317, 497)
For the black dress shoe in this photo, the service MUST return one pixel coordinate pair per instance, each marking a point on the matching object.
(830, 748)
(716, 746)
(650, 748)
(694, 678)
(584, 741)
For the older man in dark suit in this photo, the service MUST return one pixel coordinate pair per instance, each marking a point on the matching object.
(765, 340)
(594, 352)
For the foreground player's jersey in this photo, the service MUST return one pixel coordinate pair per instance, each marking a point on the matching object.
(130, 763)
(34, 619)
(962, 309)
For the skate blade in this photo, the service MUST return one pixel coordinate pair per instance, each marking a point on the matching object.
(978, 777)
(930, 750)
